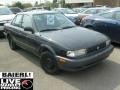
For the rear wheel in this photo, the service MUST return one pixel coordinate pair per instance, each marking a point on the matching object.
(12, 44)
(48, 63)
(2, 34)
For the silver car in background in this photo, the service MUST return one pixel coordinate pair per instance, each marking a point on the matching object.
(6, 15)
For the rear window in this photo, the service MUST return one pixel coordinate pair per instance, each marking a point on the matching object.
(107, 15)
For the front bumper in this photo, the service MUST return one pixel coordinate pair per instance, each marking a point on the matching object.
(85, 62)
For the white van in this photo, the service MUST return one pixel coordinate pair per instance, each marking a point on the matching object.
(6, 15)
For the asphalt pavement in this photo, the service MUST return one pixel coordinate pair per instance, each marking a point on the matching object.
(103, 76)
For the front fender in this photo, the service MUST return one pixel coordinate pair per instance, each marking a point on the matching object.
(47, 47)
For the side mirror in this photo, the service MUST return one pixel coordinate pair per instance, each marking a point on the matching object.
(29, 29)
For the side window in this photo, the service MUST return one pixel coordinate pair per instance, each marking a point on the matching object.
(117, 15)
(92, 11)
(107, 15)
(26, 21)
(17, 21)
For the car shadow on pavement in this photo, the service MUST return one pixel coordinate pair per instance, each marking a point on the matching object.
(3, 40)
(29, 56)
(103, 76)
(116, 45)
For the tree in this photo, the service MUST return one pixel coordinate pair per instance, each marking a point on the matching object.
(27, 5)
(55, 4)
(18, 4)
(48, 5)
(1, 4)
(62, 2)
(36, 3)
(54, 1)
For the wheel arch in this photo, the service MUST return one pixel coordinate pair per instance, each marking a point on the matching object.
(44, 48)
(89, 26)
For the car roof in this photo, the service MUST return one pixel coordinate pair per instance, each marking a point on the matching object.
(113, 9)
(37, 12)
(97, 8)
(61, 8)
(116, 9)
(3, 7)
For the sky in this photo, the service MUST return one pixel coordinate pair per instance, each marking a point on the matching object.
(5, 2)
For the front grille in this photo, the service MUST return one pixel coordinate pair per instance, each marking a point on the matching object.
(1, 24)
(96, 48)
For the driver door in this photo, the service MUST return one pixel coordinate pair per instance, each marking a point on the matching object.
(29, 39)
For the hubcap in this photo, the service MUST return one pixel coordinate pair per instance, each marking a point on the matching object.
(48, 63)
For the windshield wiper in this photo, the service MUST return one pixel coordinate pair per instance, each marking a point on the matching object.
(68, 27)
(49, 30)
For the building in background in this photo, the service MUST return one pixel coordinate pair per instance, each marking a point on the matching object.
(78, 3)
(111, 3)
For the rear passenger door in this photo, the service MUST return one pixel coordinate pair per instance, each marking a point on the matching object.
(16, 28)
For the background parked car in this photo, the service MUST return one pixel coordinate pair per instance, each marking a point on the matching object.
(79, 10)
(92, 11)
(73, 16)
(15, 10)
(107, 23)
(32, 8)
(6, 15)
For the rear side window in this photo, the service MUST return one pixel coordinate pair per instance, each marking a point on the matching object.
(107, 15)
(17, 21)
(117, 15)
(92, 11)
(26, 21)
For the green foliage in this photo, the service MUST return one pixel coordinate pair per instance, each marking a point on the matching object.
(36, 4)
(62, 2)
(22, 6)
(54, 1)
(1, 4)
(18, 4)
(27, 5)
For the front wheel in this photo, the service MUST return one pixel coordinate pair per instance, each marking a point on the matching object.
(48, 63)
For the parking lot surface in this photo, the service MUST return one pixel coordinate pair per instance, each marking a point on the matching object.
(103, 76)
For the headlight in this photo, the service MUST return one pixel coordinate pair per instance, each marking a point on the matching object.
(108, 42)
(76, 53)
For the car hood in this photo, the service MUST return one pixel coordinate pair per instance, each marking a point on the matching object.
(85, 14)
(6, 17)
(75, 38)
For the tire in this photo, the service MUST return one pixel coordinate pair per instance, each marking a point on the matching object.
(2, 35)
(12, 44)
(48, 63)
(90, 27)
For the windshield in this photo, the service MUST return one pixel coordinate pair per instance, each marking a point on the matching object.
(67, 11)
(103, 10)
(79, 10)
(52, 21)
(5, 11)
